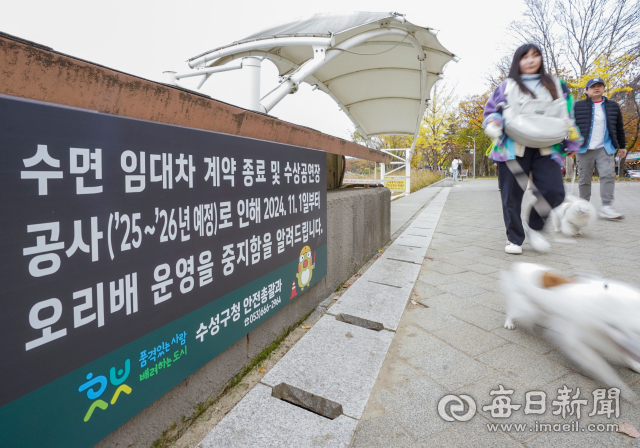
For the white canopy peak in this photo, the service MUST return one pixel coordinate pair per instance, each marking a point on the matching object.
(376, 66)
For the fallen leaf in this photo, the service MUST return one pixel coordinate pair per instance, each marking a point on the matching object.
(628, 429)
(306, 327)
(381, 251)
(336, 297)
(262, 370)
(414, 302)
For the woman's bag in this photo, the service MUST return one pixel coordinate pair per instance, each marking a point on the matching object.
(535, 122)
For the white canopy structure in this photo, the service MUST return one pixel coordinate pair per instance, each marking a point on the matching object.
(376, 66)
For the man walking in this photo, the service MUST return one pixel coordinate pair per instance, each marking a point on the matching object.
(600, 122)
(454, 168)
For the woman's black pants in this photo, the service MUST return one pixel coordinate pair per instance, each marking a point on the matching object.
(548, 183)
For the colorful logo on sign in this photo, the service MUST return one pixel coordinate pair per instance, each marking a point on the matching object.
(96, 386)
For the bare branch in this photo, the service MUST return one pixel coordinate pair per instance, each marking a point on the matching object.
(575, 33)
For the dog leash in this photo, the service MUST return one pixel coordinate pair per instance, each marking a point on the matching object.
(541, 205)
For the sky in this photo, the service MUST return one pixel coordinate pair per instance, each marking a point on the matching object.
(146, 38)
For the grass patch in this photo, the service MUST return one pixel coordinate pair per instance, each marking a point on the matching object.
(422, 178)
(176, 430)
(419, 178)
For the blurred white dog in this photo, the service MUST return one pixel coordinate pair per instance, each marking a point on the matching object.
(573, 215)
(590, 318)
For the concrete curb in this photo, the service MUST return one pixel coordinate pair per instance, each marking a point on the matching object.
(337, 361)
(440, 183)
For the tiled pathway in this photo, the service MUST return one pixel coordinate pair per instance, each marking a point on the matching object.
(451, 340)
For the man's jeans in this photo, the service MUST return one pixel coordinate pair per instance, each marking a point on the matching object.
(606, 169)
(455, 175)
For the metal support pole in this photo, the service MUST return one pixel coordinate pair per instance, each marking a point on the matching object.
(382, 172)
(407, 190)
(170, 78)
(474, 156)
(324, 54)
(208, 71)
(253, 65)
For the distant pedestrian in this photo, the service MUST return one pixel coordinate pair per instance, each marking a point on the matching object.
(454, 168)
(460, 167)
(516, 117)
(600, 123)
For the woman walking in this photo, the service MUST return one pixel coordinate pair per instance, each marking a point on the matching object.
(530, 118)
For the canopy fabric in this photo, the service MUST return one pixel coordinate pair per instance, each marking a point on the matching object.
(319, 25)
(378, 83)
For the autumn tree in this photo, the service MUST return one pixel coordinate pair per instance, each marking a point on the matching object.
(470, 112)
(436, 131)
(629, 101)
(585, 39)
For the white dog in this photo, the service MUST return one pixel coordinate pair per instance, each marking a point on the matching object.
(590, 318)
(573, 215)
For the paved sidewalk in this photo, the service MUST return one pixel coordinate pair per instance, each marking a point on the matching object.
(403, 209)
(450, 338)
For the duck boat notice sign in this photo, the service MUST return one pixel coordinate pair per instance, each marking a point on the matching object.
(396, 185)
(133, 253)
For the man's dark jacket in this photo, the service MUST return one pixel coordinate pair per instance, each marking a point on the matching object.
(613, 116)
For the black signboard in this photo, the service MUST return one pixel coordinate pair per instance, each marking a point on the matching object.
(132, 253)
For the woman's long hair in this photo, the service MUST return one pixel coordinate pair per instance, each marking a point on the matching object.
(545, 79)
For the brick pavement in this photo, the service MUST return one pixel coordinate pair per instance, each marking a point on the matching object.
(452, 340)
